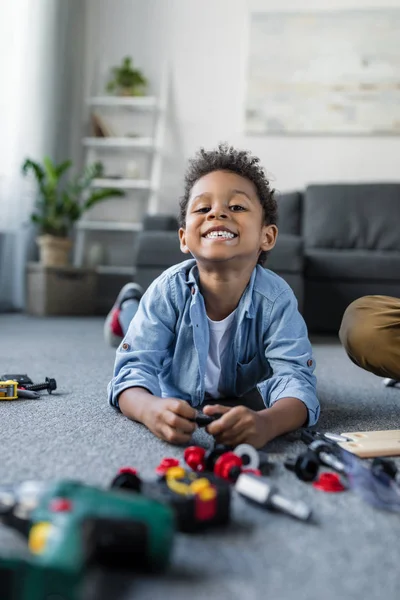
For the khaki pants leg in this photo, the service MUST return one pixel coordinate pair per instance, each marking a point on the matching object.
(370, 334)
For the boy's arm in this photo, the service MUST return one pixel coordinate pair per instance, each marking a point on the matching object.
(240, 425)
(168, 418)
(286, 414)
(289, 353)
(147, 343)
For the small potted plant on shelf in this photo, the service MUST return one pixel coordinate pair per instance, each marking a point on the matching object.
(60, 204)
(126, 80)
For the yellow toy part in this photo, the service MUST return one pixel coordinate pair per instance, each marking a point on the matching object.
(8, 390)
(199, 487)
(38, 536)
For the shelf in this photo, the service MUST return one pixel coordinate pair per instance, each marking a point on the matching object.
(109, 226)
(119, 142)
(121, 183)
(115, 270)
(133, 101)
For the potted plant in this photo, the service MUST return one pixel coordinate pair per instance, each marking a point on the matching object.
(126, 80)
(60, 204)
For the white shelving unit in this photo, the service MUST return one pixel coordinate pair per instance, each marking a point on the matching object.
(147, 188)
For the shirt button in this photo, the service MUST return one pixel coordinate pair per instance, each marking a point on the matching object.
(193, 291)
(309, 362)
(125, 346)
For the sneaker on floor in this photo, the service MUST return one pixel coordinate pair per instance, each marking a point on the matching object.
(113, 333)
(391, 382)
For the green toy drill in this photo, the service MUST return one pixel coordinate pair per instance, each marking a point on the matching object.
(70, 527)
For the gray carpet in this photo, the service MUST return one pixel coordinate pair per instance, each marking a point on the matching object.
(351, 552)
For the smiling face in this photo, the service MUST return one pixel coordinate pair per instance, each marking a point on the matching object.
(225, 221)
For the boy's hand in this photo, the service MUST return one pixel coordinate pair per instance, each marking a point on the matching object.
(170, 419)
(238, 425)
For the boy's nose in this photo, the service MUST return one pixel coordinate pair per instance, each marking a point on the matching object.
(218, 212)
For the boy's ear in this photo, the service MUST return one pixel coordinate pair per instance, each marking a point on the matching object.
(269, 235)
(182, 240)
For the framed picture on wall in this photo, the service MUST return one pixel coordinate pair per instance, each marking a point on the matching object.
(324, 73)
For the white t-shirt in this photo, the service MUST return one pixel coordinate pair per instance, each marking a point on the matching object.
(219, 338)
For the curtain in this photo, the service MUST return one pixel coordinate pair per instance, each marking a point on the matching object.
(41, 57)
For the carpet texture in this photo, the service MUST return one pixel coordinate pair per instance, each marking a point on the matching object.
(351, 551)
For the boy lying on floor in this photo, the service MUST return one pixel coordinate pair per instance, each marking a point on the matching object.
(219, 325)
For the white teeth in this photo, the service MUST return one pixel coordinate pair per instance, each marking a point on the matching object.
(220, 234)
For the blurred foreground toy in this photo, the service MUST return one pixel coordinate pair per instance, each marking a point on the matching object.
(71, 526)
(198, 501)
(258, 490)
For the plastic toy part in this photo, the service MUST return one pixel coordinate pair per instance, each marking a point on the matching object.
(198, 501)
(252, 472)
(228, 466)
(8, 390)
(203, 420)
(305, 466)
(130, 470)
(194, 458)
(249, 455)
(329, 482)
(212, 455)
(127, 479)
(49, 384)
(166, 464)
(258, 490)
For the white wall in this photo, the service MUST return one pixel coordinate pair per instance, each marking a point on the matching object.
(40, 49)
(207, 43)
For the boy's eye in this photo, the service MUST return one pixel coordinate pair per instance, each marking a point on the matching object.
(203, 209)
(237, 208)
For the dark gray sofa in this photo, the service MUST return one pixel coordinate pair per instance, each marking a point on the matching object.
(351, 236)
(336, 243)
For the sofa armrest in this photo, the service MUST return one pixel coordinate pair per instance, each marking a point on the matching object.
(156, 251)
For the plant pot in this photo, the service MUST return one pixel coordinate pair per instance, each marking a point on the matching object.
(131, 91)
(54, 251)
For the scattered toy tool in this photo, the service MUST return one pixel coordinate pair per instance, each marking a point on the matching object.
(258, 490)
(13, 386)
(376, 483)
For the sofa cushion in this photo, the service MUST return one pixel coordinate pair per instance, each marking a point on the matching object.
(361, 216)
(289, 212)
(160, 222)
(159, 249)
(287, 256)
(352, 265)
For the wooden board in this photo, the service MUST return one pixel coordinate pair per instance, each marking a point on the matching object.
(368, 444)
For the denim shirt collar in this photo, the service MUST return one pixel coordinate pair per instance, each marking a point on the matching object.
(246, 304)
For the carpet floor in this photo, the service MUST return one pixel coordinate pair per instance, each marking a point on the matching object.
(351, 551)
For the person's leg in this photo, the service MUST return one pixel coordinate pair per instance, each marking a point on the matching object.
(370, 334)
(118, 319)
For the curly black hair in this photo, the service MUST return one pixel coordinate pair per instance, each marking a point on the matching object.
(241, 162)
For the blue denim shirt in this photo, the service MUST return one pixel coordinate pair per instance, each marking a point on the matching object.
(166, 346)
